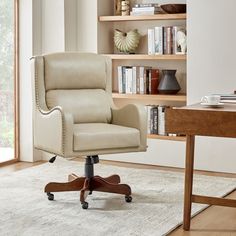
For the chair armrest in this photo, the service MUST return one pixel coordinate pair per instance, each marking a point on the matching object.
(53, 131)
(134, 116)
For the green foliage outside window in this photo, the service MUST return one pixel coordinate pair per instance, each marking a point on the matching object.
(6, 73)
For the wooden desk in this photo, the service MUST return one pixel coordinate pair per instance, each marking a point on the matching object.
(196, 120)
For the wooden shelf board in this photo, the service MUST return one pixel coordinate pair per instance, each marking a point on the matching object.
(163, 137)
(159, 97)
(145, 57)
(144, 18)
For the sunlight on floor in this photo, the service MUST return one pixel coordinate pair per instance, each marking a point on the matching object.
(6, 154)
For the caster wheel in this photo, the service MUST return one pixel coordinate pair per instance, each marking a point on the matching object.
(128, 198)
(84, 205)
(50, 196)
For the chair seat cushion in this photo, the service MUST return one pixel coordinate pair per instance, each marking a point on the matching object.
(97, 136)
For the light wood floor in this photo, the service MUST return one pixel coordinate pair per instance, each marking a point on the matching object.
(214, 221)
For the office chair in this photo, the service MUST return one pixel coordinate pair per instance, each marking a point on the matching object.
(74, 115)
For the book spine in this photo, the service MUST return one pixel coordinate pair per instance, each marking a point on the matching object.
(158, 38)
(152, 120)
(168, 41)
(119, 75)
(129, 78)
(149, 81)
(161, 120)
(151, 50)
(138, 80)
(148, 108)
(141, 80)
(154, 81)
(155, 120)
(123, 79)
(175, 45)
(141, 9)
(134, 79)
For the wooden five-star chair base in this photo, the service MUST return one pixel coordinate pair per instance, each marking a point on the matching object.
(86, 185)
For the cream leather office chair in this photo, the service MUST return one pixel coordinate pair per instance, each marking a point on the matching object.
(75, 116)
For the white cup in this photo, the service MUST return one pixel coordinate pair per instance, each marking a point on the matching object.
(211, 99)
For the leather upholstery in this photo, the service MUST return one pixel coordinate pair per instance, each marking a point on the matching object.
(61, 66)
(86, 105)
(96, 136)
(73, 109)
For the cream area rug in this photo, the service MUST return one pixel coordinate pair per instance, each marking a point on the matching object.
(156, 208)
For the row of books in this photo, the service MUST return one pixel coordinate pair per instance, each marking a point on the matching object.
(156, 120)
(146, 9)
(166, 40)
(137, 80)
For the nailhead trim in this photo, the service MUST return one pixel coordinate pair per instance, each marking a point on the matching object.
(49, 111)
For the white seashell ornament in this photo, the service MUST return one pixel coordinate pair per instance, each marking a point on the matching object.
(126, 42)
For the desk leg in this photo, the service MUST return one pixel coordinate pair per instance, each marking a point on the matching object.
(189, 163)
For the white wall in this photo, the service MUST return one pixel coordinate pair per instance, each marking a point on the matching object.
(211, 69)
(27, 47)
(53, 26)
(41, 31)
(87, 26)
(71, 31)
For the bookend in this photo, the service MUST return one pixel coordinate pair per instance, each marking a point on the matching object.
(89, 183)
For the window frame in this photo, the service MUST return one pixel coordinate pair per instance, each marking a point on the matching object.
(16, 86)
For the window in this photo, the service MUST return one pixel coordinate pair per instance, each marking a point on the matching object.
(8, 80)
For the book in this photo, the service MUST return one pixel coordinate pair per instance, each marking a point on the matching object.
(151, 49)
(152, 120)
(134, 79)
(137, 79)
(128, 80)
(142, 13)
(120, 83)
(140, 9)
(154, 81)
(149, 77)
(148, 109)
(158, 40)
(161, 120)
(123, 79)
(155, 120)
(143, 5)
(168, 40)
(227, 96)
(146, 79)
(141, 79)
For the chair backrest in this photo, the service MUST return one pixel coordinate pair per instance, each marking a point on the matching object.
(80, 83)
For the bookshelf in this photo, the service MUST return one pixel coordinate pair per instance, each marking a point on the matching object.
(143, 18)
(145, 57)
(107, 23)
(163, 137)
(156, 97)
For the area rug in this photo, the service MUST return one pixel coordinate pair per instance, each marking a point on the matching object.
(156, 208)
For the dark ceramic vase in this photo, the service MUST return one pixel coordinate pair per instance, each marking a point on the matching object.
(168, 83)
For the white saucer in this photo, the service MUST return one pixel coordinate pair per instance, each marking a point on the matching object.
(220, 104)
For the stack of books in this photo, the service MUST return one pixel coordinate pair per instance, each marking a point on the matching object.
(228, 98)
(145, 9)
(164, 40)
(156, 119)
(137, 80)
